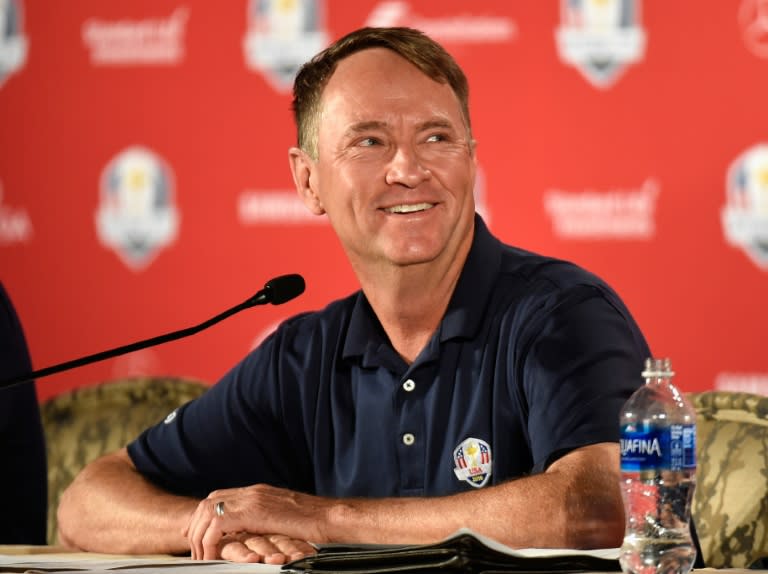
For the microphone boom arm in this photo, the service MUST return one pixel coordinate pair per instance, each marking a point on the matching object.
(277, 291)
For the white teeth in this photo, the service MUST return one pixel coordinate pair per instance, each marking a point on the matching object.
(409, 208)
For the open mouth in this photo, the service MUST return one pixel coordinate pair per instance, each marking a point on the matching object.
(410, 208)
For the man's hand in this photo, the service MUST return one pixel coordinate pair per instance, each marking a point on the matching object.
(271, 549)
(246, 520)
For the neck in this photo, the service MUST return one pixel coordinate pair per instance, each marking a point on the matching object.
(410, 301)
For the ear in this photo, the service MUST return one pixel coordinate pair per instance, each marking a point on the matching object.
(303, 169)
(473, 150)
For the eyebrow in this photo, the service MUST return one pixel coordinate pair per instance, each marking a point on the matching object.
(366, 126)
(361, 127)
(436, 123)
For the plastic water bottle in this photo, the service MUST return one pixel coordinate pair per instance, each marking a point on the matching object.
(658, 475)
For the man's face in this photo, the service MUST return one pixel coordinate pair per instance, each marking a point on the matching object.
(396, 167)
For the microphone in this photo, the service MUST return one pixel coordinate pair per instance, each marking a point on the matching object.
(276, 291)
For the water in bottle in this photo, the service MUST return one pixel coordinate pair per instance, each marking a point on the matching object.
(658, 475)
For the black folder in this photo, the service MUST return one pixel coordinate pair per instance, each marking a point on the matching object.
(462, 552)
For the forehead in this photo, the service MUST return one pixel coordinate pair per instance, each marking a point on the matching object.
(377, 82)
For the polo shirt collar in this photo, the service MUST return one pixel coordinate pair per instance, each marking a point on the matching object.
(366, 337)
(469, 300)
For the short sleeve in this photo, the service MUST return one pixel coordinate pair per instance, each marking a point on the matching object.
(584, 360)
(236, 434)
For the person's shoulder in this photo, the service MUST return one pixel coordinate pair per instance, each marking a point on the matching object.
(544, 272)
(537, 287)
(306, 334)
(318, 324)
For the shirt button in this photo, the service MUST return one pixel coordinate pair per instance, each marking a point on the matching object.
(409, 385)
(408, 439)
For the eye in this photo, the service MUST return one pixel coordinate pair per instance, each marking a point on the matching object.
(436, 138)
(368, 142)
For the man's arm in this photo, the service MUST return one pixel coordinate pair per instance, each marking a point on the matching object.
(576, 503)
(110, 507)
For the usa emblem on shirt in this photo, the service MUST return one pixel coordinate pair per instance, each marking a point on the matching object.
(473, 462)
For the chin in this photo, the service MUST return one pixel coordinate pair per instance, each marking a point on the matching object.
(415, 257)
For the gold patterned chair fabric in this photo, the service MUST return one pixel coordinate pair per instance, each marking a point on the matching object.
(730, 503)
(85, 423)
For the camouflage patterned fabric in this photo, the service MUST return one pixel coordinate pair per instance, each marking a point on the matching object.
(730, 505)
(82, 424)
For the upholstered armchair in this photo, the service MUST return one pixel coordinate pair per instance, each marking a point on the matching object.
(82, 424)
(730, 504)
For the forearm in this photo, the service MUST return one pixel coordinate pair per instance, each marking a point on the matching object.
(111, 508)
(575, 504)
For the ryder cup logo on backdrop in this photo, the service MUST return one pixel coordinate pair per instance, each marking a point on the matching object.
(13, 42)
(473, 462)
(745, 215)
(600, 37)
(137, 216)
(281, 36)
(753, 20)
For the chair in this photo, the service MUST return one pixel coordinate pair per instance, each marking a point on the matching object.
(82, 424)
(730, 502)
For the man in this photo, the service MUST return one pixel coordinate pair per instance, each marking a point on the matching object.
(404, 411)
(22, 441)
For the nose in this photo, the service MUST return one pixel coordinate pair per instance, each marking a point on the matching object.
(406, 169)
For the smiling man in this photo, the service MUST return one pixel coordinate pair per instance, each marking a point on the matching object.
(467, 383)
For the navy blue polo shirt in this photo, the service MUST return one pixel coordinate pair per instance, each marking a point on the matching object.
(534, 358)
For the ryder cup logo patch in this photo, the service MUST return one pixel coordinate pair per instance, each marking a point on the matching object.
(137, 215)
(473, 462)
(600, 37)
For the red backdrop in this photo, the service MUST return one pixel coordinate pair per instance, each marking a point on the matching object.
(144, 181)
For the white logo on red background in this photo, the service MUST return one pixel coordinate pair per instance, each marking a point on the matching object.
(755, 383)
(745, 215)
(600, 38)
(281, 36)
(620, 213)
(454, 28)
(147, 42)
(137, 215)
(15, 225)
(276, 206)
(13, 42)
(753, 20)
(284, 207)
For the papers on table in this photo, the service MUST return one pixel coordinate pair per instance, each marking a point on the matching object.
(463, 551)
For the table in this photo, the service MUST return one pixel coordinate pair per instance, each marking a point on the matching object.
(22, 558)
(54, 559)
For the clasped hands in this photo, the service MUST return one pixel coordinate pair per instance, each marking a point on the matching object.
(258, 523)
